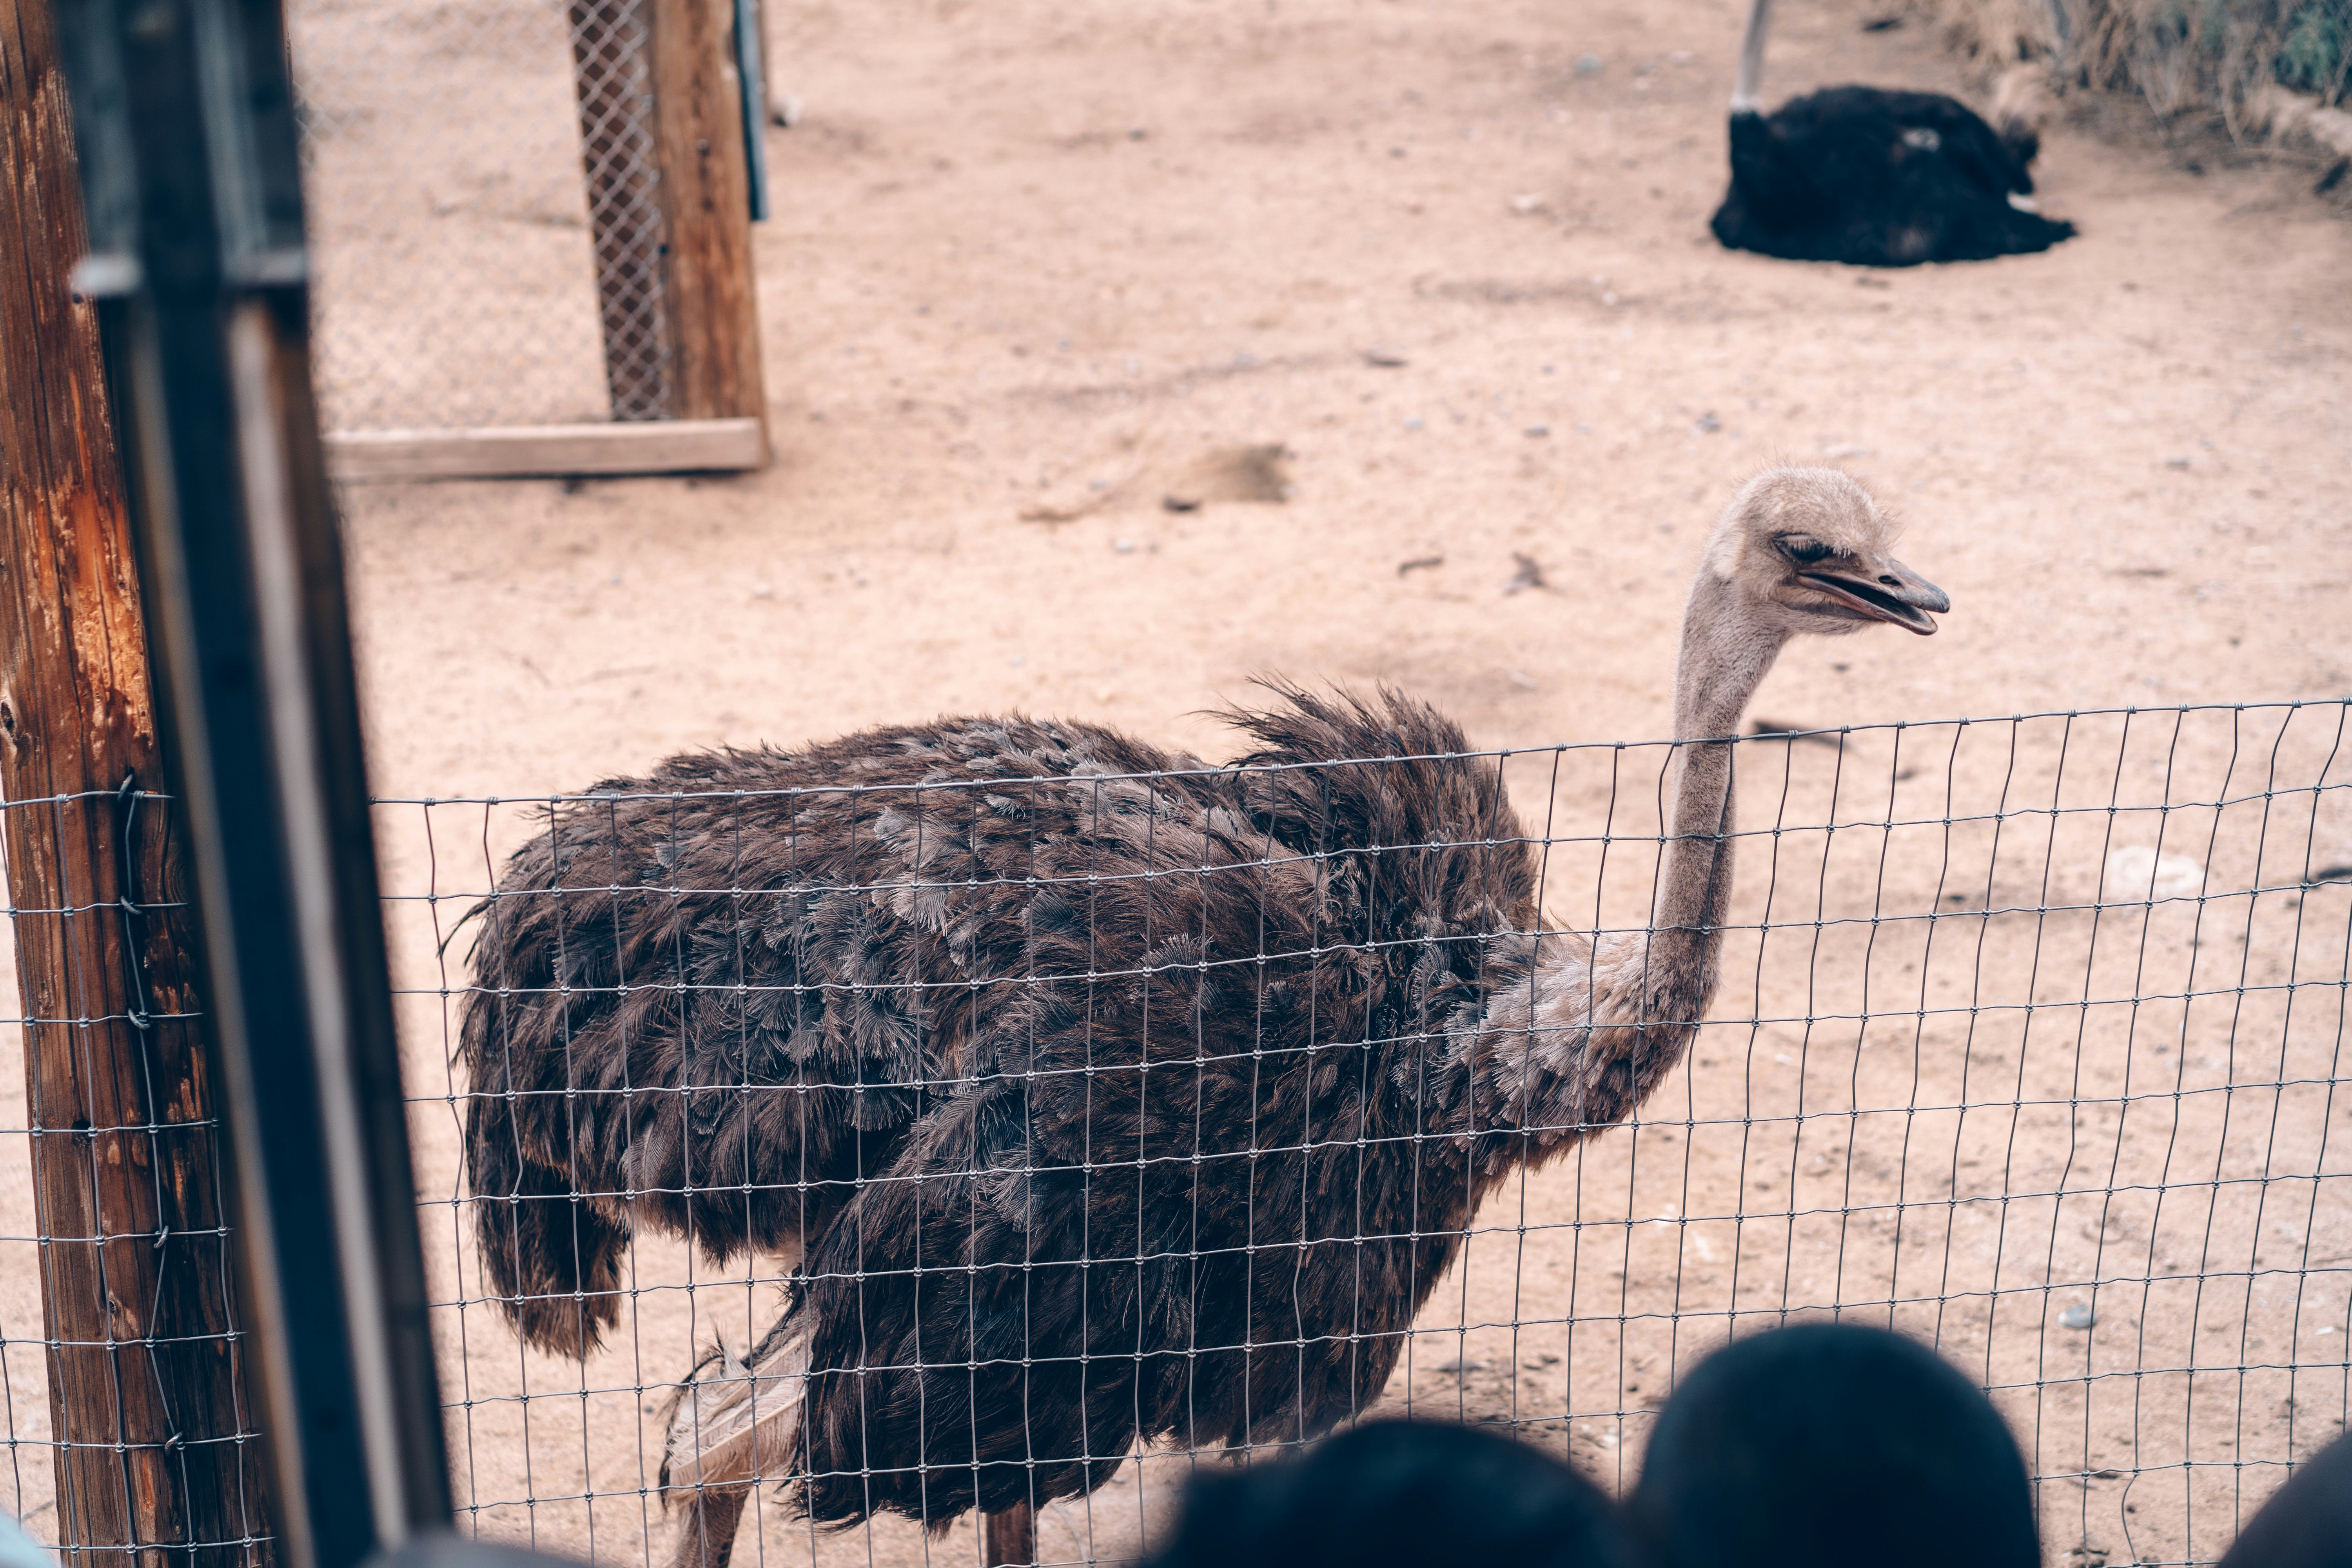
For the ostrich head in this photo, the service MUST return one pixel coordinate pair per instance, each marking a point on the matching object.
(1807, 551)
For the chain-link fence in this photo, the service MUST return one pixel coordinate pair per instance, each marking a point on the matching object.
(485, 211)
(1067, 1113)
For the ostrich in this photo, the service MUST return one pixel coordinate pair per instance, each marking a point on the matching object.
(1874, 177)
(1091, 1094)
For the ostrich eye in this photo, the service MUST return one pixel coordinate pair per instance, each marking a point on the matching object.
(1803, 549)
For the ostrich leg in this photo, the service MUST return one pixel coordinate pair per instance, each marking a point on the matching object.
(1007, 1539)
(734, 1425)
(708, 1539)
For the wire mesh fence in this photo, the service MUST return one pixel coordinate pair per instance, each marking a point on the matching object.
(473, 170)
(116, 1300)
(2028, 1041)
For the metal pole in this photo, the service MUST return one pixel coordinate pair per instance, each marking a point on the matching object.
(186, 122)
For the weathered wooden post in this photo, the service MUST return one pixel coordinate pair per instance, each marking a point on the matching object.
(155, 1446)
(668, 129)
(706, 183)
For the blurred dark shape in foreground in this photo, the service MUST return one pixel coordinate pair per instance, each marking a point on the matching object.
(2308, 1523)
(1827, 1444)
(1400, 1492)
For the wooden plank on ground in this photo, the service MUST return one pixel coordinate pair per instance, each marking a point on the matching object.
(655, 447)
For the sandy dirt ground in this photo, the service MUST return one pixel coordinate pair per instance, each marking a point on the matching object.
(1036, 267)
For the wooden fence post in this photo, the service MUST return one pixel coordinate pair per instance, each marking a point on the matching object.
(156, 1455)
(706, 188)
(662, 142)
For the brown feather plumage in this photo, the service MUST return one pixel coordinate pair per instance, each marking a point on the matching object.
(1146, 1076)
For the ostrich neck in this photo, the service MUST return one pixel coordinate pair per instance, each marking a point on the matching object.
(1724, 657)
(1751, 57)
(1572, 1033)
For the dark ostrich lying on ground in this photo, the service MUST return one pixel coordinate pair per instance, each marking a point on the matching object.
(1873, 177)
(1088, 1107)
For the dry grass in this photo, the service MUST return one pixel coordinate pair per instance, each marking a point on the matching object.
(2184, 58)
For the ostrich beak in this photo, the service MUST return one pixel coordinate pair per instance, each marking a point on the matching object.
(1895, 593)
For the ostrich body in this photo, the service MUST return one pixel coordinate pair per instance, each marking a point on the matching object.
(1875, 177)
(1090, 1107)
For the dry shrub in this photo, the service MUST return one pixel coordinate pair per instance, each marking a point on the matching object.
(2220, 55)
(1996, 33)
